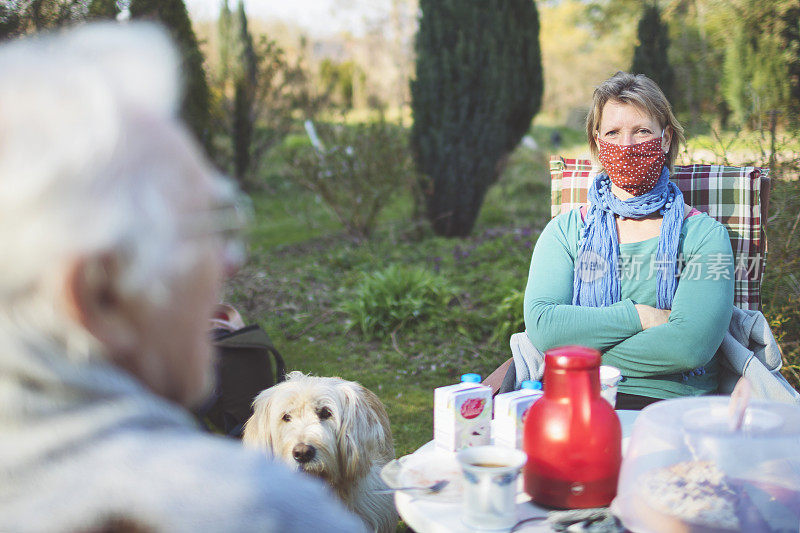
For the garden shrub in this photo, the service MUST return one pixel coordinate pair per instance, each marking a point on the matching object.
(275, 170)
(357, 171)
(780, 291)
(508, 317)
(389, 299)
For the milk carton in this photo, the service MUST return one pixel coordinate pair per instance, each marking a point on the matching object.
(509, 413)
(462, 414)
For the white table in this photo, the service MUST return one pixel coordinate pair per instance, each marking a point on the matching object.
(431, 516)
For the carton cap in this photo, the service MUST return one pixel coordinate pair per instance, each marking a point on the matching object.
(530, 384)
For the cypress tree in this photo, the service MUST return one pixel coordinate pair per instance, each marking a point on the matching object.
(760, 58)
(650, 54)
(20, 17)
(103, 9)
(196, 99)
(737, 75)
(478, 85)
(224, 43)
(791, 43)
(245, 75)
(9, 22)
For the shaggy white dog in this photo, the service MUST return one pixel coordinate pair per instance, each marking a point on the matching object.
(334, 429)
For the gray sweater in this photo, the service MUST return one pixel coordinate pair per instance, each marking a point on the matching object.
(83, 443)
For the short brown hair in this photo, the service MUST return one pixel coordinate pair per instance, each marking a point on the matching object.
(641, 91)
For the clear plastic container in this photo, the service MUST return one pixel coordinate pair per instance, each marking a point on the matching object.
(686, 470)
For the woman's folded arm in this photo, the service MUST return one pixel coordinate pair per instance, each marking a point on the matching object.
(701, 313)
(550, 318)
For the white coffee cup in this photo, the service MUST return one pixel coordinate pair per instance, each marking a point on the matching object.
(490, 485)
(610, 377)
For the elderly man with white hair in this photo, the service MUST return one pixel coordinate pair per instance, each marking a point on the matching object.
(113, 247)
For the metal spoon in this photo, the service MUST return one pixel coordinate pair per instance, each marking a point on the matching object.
(432, 489)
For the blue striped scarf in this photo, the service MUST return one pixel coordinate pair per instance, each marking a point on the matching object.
(596, 281)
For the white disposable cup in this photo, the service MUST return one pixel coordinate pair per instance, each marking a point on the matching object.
(610, 377)
(490, 492)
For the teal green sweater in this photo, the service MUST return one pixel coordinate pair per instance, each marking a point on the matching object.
(655, 362)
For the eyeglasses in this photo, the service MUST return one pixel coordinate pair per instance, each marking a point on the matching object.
(226, 222)
(231, 222)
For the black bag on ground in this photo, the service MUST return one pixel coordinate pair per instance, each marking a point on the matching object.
(244, 367)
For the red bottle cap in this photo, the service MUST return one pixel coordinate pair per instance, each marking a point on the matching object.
(572, 358)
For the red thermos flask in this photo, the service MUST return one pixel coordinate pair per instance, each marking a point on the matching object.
(572, 435)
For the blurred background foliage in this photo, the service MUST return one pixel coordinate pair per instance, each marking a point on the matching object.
(345, 271)
(356, 169)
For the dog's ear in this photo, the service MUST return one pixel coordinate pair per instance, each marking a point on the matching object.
(257, 432)
(365, 434)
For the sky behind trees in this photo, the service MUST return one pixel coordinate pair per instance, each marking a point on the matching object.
(320, 17)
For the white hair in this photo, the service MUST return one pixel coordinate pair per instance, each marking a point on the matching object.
(80, 114)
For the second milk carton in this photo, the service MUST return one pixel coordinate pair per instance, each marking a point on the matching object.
(509, 413)
(462, 414)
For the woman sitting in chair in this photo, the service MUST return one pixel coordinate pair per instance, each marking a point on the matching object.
(635, 275)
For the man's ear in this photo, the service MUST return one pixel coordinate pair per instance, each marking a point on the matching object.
(93, 301)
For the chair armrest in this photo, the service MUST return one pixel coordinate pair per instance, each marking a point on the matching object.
(495, 379)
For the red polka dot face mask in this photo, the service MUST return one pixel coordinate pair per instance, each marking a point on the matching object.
(634, 168)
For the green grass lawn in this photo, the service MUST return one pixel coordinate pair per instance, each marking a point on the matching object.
(303, 268)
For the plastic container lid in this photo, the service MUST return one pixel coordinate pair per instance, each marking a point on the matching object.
(529, 384)
(471, 378)
(683, 457)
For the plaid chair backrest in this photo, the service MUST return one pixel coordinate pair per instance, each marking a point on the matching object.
(731, 195)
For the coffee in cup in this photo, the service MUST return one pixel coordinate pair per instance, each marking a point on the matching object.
(490, 488)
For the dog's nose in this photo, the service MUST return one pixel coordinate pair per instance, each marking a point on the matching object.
(303, 453)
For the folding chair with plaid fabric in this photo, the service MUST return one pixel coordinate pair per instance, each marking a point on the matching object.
(737, 197)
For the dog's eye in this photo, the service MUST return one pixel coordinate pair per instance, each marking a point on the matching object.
(286, 417)
(324, 413)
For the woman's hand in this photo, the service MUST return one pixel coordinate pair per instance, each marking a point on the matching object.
(651, 317)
